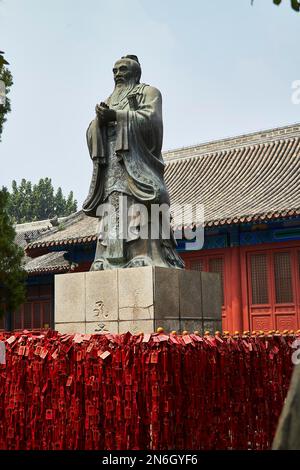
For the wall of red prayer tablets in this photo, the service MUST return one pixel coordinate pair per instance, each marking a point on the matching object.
(142, 392)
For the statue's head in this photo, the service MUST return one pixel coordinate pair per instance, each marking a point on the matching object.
(127, 70)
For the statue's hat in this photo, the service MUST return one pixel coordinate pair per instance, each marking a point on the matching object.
(132, 57)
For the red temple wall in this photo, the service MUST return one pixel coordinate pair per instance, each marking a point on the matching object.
(261, 284)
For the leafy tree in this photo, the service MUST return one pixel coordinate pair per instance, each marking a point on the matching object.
(295, 4)
(60, 202)
(20, 201)
(12, 274)
(43, 199)
(29, 202)
(6, 78)
(71, 205)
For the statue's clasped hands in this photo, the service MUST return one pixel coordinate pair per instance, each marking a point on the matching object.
(104, 113)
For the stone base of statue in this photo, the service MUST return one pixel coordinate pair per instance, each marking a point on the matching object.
(137, 300)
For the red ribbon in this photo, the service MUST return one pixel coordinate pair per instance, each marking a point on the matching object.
(125, 392)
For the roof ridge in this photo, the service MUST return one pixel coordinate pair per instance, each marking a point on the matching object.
(254, 217)
(30, 225)
(66, 221)
(214, 146)
(34, 223)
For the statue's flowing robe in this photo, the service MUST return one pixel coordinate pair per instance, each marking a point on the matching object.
(139, 132)
(137, 143)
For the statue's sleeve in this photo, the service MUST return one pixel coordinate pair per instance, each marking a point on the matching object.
(145, 121)
(95, 141)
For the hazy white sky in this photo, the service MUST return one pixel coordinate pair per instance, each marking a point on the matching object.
(224, 68)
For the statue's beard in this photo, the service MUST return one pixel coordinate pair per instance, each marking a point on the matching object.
(120, 91)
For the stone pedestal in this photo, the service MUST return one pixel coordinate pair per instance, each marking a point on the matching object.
(137, 299)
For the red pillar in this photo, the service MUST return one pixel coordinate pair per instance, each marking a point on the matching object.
(236, 291)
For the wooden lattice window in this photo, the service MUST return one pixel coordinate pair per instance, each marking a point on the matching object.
(259, 279)
(27, 320)
(283, 278)
(32, 315)
(2, 318)
(216, 265)
(46, 315)
(197, 264)
(17, 319)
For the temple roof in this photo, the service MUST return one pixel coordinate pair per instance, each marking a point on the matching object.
(248, 178)
(77, 228)
(25, 233)
(48, 263)
(255, 176)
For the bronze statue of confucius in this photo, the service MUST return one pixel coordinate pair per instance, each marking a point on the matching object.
(125, 141)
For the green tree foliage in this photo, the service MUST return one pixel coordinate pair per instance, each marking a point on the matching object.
(295, 4)
(70, 207)
(6, 77)
(43, 202)
(29, 202)
(12, 274)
